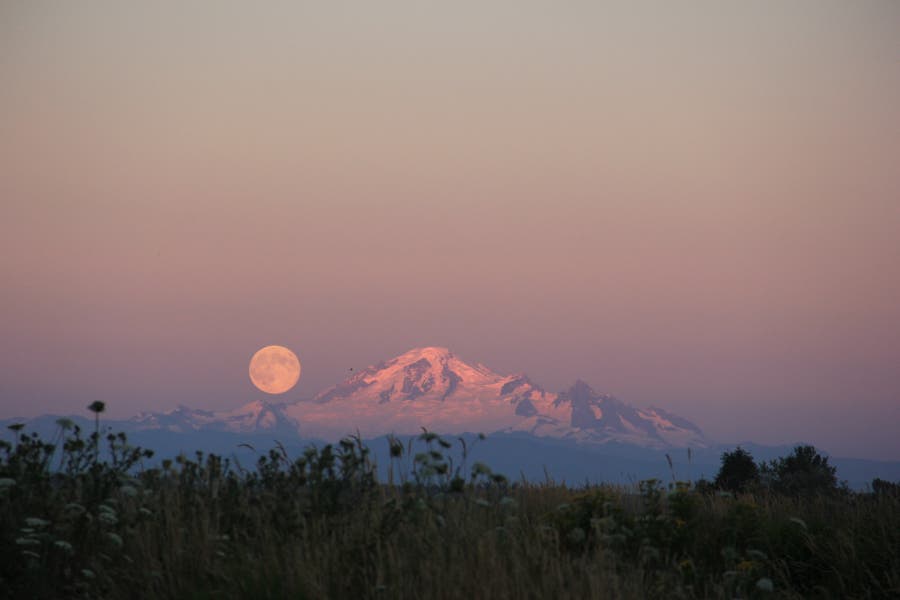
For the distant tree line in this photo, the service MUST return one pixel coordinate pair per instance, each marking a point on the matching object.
(803, 472)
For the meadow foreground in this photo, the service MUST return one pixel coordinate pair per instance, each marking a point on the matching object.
(80, 521)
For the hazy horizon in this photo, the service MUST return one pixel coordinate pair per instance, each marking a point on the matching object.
(690, 206)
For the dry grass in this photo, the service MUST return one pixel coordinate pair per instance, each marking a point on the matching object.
(321, 526)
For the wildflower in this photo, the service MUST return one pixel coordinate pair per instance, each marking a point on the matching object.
(396, 447)
(27, 541)
(128, 490)
(577, 535)
(74, 509)
(479, 468)
(108, 518)
(649, 553)
(36, 523)
(547, 531)
(745, 565)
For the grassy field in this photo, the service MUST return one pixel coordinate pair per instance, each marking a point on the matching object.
(78, 522)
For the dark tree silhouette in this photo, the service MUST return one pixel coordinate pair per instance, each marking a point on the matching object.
(803, 472)
(882, 486)
(738, 471)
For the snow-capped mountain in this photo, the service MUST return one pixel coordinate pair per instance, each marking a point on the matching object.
(601, 418)
(425, 387)
(432, 388)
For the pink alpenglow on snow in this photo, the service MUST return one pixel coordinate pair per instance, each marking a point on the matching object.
(425, 387)
(432, 388)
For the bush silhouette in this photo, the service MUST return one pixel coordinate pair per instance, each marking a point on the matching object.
(803, 472)
(881, 486)
(738, 471)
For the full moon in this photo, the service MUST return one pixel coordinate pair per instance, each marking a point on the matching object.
(274, 369)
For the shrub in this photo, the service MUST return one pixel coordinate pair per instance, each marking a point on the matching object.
(738, 471)
(883, 487)
(803, 472)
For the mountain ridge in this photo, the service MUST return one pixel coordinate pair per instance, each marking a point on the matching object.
(431, 387)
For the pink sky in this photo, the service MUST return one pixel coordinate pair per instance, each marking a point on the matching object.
(691, 206)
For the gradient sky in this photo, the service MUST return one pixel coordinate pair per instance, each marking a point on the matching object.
(694, 205)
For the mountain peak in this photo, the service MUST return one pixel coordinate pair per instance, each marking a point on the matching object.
(424, 387)
(429, 372)
(608, 418)
(581, 388)
(437, 353)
